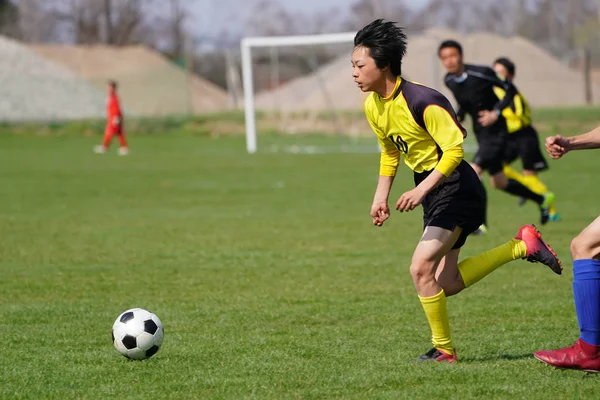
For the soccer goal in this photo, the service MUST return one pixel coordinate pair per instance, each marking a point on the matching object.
(323, 95)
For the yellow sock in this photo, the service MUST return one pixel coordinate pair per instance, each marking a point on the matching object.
(436, 311)
(512, 174)
(475, 268)
(534, 184)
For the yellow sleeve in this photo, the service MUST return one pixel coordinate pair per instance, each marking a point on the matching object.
(390, 155)
(450, 160)
(518, 105)
(443, 127)
(447, 134)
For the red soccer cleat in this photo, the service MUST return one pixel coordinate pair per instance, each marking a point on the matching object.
(582, 356)
(537, 249)
(438, 355)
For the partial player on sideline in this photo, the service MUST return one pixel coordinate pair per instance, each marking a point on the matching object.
(114, 122)
(585, 250)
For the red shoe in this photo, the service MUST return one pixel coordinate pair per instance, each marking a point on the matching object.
(438, 355)
(581, 355)
(537, 249)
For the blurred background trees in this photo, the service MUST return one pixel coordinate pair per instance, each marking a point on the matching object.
(209, 31)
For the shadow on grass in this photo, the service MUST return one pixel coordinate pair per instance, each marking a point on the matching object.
(497, 357)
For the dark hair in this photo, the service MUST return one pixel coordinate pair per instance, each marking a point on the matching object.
(506, 63)
(450, 44)
(113, 84)
(386, 43)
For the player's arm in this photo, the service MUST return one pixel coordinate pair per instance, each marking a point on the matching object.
(115, 112)
(517, 106)
(460, 114)
(510, 91)
(557, 145)
(443, 126)
(448, 134)
(487, 118)
(388, 165)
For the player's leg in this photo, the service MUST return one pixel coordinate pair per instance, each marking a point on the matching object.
(490, 156)
(124, 149)
(585, 353)
(511, 153)
(108, 135)
(534, 162)
(454, 277)
(513, 187)
(435, 243)
(481, 230)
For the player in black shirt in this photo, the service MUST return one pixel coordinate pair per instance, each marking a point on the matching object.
(473, 88)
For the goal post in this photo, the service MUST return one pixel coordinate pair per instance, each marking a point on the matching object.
(247, 44)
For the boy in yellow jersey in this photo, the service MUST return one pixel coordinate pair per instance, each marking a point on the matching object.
(419, 122)
(522, 141)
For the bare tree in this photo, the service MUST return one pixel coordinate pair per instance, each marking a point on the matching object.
(9, 19)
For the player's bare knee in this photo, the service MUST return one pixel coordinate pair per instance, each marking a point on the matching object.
(584, 247)
(421, 272)
(499, 182)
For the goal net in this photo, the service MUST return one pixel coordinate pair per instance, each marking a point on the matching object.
(299, 95)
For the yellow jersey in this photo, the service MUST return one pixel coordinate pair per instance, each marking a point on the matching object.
(416, 121)
(517, 114)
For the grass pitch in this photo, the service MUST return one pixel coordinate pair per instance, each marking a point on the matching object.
(267, 274)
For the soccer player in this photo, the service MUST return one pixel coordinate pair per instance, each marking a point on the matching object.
(522, 140)
(419, 122)
(585, 249)
(114, 122)
(473, 88)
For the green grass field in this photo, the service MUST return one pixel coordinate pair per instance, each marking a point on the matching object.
(268, 276)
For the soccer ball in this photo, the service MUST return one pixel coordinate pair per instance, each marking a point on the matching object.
(137, 334)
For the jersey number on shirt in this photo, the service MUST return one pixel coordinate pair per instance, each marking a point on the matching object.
(400, 143)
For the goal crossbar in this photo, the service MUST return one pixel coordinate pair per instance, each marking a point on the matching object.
(247, 75)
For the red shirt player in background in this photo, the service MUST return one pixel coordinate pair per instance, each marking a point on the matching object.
(114, 122)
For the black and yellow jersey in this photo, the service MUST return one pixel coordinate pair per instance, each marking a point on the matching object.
(517, 114)
(416, 121)
(474, 92)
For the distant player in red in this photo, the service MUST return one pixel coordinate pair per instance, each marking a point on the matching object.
(114, 122)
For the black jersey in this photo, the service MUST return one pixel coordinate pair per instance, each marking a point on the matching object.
(474, 92)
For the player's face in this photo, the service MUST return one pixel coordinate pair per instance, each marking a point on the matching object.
(365, 72)
(451, 59)
(502, 72)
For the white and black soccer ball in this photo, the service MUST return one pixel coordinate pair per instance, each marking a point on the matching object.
(137, 334)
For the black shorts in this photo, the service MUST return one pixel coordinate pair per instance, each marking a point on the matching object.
(490, 155)
(458, 201)
(525, 144)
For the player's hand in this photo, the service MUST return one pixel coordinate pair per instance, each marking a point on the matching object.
(487, 117)
(116, 121)
(410, 200)
(380, 212)
(557, 146)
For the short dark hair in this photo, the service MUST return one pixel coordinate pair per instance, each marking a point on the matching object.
(386, 43)
(112, 83)
(506, 63)
(453, 44)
